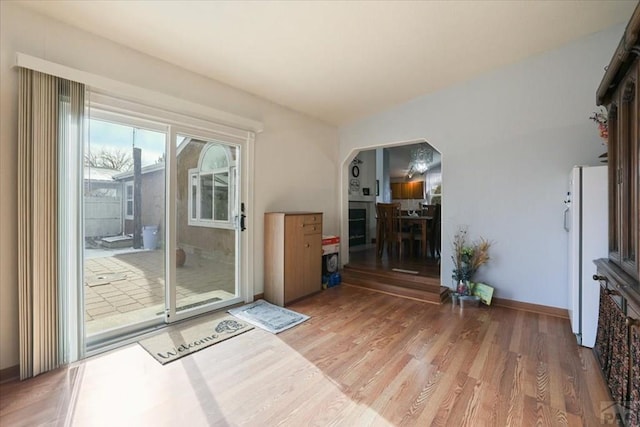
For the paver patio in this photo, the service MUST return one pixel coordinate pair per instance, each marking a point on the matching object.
(126, 287)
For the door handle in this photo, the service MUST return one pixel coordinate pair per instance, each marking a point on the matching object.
(242, 217)
(566, 226)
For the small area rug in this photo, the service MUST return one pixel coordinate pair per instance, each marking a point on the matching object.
(268, 316)
(172, 345)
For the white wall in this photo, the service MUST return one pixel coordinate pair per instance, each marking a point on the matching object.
(367, 177)
(508, 140)
(295, 160)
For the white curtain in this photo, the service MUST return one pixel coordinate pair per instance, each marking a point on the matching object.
(50, 108)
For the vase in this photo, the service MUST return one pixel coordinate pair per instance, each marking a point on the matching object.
(463, 287)
(469, 301)
(454, 298)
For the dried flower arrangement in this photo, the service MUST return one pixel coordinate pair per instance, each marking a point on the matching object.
(468, 257)
(602, 119)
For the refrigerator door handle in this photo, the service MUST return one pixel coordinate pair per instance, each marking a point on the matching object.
(566, 226)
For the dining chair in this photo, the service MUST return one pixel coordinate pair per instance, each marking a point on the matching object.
(434, 232)
(428, 210)
(390, 215)
(380, 227)
(385, 213)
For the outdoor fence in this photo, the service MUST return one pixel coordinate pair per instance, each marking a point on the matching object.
(102, 216)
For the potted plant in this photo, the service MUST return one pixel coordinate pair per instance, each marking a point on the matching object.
(467, 258)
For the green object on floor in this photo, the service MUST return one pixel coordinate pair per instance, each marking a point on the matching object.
(484, 291)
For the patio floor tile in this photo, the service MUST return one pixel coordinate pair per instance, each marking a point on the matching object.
(140, 293)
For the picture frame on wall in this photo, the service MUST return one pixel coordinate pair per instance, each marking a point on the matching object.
(354, 186)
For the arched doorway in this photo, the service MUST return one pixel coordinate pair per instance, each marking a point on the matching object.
(408, 174)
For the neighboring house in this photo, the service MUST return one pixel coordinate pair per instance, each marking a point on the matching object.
(152, 185)
(204, 198)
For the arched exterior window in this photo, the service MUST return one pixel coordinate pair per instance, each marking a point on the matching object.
(211, 194)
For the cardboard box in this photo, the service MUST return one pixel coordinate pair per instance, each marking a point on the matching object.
(330, 240)
(330, 245)
(330, 254)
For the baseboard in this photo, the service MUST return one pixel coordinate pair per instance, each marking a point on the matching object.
(9, 374)
(534, 308)
(501, 302)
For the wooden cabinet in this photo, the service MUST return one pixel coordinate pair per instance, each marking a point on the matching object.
(407, 190)
(617, 346)
(623, 172)
(618, 339)
(396, 190)
(619, 91)
(292, 255)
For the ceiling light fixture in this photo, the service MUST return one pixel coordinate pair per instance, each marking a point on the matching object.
(410, 173)
(421, 157)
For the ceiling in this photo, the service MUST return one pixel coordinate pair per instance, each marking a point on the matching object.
(339, 60)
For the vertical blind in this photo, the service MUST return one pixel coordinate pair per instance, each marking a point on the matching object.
(49, 109)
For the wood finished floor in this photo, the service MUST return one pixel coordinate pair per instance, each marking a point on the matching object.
(364, 358)
(367, 259)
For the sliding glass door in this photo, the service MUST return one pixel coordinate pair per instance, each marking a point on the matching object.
(207, 224)
(161, 221)
(124, 218)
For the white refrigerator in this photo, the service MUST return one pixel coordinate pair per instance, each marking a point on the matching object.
(586, 221)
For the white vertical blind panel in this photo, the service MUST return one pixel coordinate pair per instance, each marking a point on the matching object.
(40, 127)
(24, 222)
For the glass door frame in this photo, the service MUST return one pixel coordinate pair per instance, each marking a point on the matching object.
(104, 340)
(241, 252)
(175, 123)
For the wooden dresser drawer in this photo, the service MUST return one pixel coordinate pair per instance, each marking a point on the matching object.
(312, 219)
(311, 224)
(312, 228)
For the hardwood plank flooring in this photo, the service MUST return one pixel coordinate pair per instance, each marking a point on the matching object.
(428, 267)
(364, 358)
(416, 278)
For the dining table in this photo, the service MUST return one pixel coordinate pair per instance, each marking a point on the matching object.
(423, 222)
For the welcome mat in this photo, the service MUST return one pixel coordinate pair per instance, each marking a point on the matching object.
(172, 345)
(268, 316)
